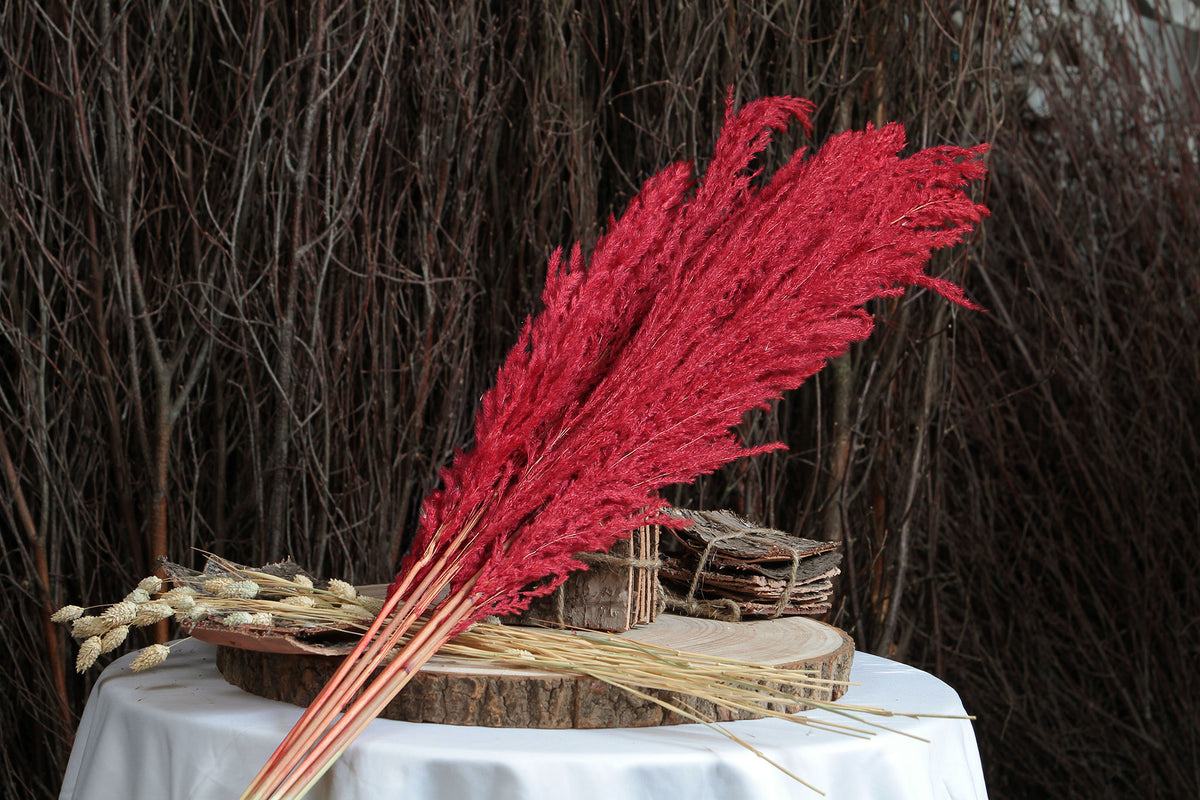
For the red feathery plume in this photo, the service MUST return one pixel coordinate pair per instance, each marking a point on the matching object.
(703, 302)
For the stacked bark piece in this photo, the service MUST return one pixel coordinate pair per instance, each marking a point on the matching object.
(617, 592)
(729, 567)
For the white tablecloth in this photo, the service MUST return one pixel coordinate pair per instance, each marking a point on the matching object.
(179, 732)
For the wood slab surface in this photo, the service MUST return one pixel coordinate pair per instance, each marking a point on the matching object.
(454, 692)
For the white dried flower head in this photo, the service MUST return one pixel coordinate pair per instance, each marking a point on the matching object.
(138, 596)
(237, 618)
(67, 614)
(151, 585)
(121, 613)
(88, 653)
(342, 589)
(114, 638)
(150, 613)
(84, 627)
(194, 614)
(372, 604)
(150, 656)
(263, 618)
(240, 590)
(356, 610)
(179, 602)
(303, 580)
(301, 601)
(217, 585)
(188, 590)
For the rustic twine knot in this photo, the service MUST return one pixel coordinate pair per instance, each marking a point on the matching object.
(748, 532)
(617, 562)
(722, 609)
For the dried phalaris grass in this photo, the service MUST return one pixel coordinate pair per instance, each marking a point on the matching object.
(84, 627)
(179, 602)
(151, 585)
(114, 638)
(240, 590)
(67, 614)
(89, 651)
(215, 586)
(193, 613)
(121, 613)
(371, 604)
(150, 613)
(150, 656)
(342, 589)
(138, 595)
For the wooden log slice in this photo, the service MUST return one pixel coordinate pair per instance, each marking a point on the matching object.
(455, 692)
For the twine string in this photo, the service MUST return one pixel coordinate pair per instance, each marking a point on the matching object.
(599, 559)
(690, 604)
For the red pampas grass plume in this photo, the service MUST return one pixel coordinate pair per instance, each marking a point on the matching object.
(702, 302)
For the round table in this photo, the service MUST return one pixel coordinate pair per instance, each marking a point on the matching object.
(180, 732)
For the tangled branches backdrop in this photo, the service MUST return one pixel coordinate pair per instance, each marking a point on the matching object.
(256, 268)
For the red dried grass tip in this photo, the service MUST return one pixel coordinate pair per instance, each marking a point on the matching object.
(702, 302)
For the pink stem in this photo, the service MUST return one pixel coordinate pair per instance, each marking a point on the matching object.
(367, 655)
(418, 650)
(351, 675)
